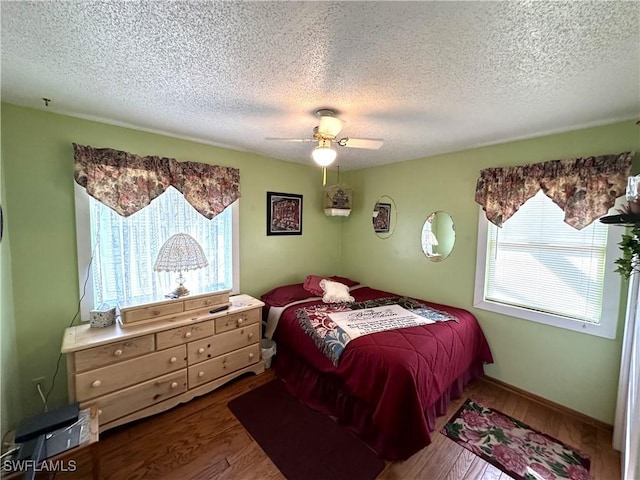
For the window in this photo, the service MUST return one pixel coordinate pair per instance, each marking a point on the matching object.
(124, 249)
(538, 268)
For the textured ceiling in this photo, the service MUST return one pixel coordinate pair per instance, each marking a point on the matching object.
(427, 77)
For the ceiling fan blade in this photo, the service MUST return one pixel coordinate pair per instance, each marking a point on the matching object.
(329, 126)
(369, 143)
(298, 140)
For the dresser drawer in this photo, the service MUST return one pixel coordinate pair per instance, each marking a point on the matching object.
(237, 320)
(132, 399)
(223, 365)
(113, 352)
(210, 347)
(123, 374)
(132, 315)
(177, 336)
(207, 301)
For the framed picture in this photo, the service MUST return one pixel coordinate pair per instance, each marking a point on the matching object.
(382, 219)
(284, 214)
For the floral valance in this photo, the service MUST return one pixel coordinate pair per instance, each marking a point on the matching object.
(584, 188)
(127, 183)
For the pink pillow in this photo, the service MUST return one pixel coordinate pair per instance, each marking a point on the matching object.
(345, 281)
(312, 285)
(281, 296)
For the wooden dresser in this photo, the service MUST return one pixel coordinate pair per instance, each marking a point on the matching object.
(136, 370)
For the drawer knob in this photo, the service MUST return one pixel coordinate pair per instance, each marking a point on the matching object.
(187, 334)
(250, 335)
(117, 353)
(251, 355)
(174, 385)
(155, 312)
(240, 320)
(96, 384)
(99, 412)
(200, 374)
(173, 360)
(201, 350)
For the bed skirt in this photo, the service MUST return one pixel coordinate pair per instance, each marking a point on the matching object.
(328, 394)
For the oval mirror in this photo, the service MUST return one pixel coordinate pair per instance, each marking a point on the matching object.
(384, 217)
(438, 236)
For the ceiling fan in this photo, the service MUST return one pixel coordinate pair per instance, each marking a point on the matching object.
(326, 133)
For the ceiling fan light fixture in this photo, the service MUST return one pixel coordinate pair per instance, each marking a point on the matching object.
(323, 154)
(329, 125)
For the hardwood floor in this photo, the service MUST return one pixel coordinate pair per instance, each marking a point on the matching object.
(203, 440)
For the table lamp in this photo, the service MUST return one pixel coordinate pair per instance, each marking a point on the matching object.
(180, 253)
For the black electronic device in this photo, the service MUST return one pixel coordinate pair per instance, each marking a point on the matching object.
(219, 309)
(34, 450)
(46, 422)
(50, 433)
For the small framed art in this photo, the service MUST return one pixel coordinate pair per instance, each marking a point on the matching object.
(382, 217)
(284, 214)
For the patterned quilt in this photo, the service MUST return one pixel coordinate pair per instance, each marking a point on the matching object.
(331, 339)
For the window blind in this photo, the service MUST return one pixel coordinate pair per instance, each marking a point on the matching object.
(538, 262)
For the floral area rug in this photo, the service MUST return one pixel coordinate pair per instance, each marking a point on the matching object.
(513, 447)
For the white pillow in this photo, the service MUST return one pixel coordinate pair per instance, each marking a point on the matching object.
(335, 292)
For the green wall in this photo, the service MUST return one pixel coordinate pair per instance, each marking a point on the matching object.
(573, 369)
(38, 168)
(10, 401)
(40, 289)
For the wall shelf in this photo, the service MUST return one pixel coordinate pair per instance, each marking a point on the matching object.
(623, 219)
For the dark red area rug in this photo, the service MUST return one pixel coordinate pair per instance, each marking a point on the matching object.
(512, 446)
(303, 443)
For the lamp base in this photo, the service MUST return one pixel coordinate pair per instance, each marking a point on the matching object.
(180, 291)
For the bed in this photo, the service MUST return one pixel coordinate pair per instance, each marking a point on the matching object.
(388, 387)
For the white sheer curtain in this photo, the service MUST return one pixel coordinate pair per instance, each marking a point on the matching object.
(126, 249)
(626, 432)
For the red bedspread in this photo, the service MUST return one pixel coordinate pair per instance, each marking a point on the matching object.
(396, 381)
